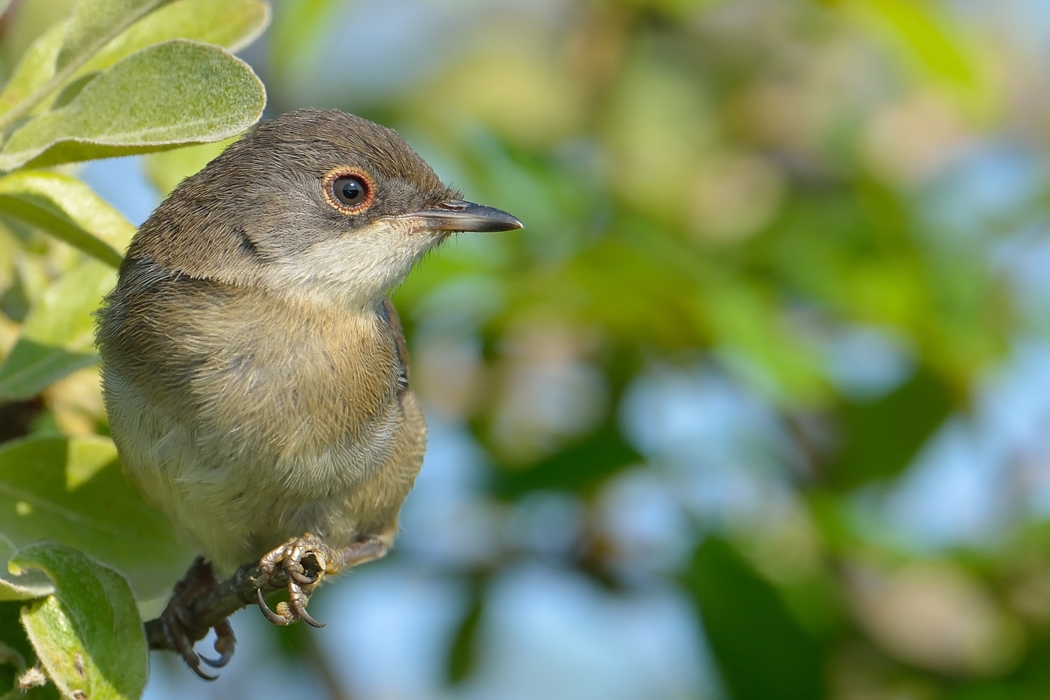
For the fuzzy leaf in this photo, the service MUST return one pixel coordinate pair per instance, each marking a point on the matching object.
(16, 651)
(71, 491)
(88, 636)
(58, 334)
(232, 24)
(171, 94)
(95, 22)
(26, 586)
(67, 209)
(35, 68)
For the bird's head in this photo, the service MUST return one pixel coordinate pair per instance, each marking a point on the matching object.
(316, 203)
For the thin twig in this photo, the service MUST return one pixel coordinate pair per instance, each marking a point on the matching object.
(238, 591)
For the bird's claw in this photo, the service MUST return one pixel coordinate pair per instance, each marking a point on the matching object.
(270, 615)
(175, 620)
(224, 643)
(305, 560)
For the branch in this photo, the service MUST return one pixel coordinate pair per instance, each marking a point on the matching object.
(204, 612)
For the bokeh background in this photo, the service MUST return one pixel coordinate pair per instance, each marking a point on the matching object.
(758, 404)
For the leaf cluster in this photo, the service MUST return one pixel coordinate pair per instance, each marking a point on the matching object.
(113, 78)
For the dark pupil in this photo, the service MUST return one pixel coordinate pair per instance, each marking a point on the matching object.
(349, 190)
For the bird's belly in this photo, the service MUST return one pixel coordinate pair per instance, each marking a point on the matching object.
(237, 489)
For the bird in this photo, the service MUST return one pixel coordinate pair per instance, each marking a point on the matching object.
(253, 367)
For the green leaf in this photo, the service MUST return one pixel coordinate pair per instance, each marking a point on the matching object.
(928, 37)
(34, 69)
(168, 168)
(95, 22)
(881, 437)
(759, 347)
(26, 586)
(463, 650)
(232, 24)
(577, 468)
(171, 94)
(16, 652)
(58, 334)
(88, 635)
(71, 491)
(301, 22)
(761, 650)
(67, 208)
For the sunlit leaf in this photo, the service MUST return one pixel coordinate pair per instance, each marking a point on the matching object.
(927, 37)
(71, 491)
(58, 334)
(88, 635)
(168, 168)
(35, 68)
(171, 94)
(28, 585)
(232, 24)
(66, 208)
(95, 22)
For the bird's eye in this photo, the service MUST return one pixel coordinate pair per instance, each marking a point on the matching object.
(349, 190)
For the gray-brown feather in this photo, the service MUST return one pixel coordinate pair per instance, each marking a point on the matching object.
(244, 438)
(249, 408)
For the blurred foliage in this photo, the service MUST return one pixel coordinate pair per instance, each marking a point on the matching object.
(761, 649)
(747, 190)
(750, 249)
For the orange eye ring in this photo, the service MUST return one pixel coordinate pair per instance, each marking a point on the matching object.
(349, 190)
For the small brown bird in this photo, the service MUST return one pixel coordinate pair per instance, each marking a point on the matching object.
(254, 371)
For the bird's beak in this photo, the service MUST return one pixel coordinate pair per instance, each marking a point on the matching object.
(460, 215)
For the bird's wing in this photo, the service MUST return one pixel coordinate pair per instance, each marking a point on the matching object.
(393, 321)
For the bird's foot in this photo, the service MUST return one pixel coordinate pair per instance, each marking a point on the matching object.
(306, 561)
(178, 626)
